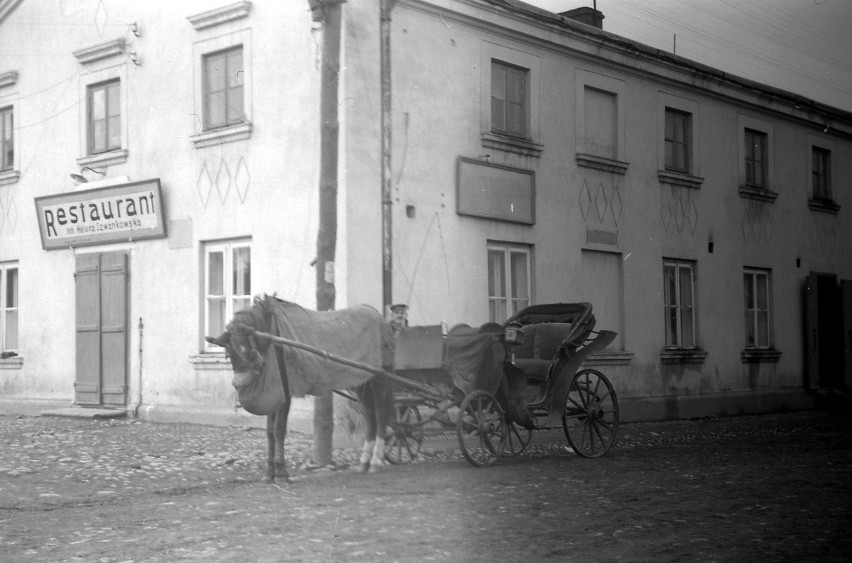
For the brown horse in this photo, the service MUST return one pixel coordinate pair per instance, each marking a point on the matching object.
(267, 376)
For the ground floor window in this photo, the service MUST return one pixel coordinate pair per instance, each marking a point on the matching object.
(509, 280)
(227, 282)
(679, 296)
(756, 286)
(8, 307)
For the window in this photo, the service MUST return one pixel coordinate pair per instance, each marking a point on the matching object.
(679, 297)
(509, 109)
(227, 283)
(756, 286)
(821, 173)
(224, 76)
(678, 133)
(7, 145)
(508, 281)
(755, 159)
(104, 103)
(8, 307)
(601, 127)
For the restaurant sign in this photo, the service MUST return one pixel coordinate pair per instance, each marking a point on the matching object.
(121, 213)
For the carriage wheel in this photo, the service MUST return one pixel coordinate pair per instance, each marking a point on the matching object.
(481, 428)
(518, 439)
(406, 435)
(590, 420)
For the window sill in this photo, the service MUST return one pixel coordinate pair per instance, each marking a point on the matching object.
(601, 163)
(759, 194)
(760, 355)
(823, 206)
(15, 362)
(223, 135)
(209, 361)
(104, 158)
(691, 356)
(9, 177)
(523, 147)
(678, 179)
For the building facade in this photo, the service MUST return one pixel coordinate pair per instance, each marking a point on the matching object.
(533, 158)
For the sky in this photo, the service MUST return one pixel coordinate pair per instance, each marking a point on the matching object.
(803, 46)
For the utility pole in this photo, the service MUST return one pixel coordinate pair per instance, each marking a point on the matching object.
(328, 12)
(387, 129)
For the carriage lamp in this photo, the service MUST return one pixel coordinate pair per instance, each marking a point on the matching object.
(513, 334)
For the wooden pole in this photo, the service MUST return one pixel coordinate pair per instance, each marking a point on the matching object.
(387, 128)
(328, 12)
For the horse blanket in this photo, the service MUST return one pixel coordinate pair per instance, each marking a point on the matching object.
(359, 334)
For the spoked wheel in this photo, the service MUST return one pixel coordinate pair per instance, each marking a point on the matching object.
(518, 439)
(406, 437)
(591, 415)
(482, 429)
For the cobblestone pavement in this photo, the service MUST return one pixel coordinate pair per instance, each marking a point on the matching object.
(784, 483)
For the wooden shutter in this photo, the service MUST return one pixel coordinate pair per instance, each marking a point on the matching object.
(87, 387)
(114, 328)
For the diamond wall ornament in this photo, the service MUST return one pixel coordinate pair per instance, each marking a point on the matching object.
(601, 202)
(101, 18)
(242, 180)
(666, 212)
(223, 181)
(615, 205)
(585, 200)
(204, 185)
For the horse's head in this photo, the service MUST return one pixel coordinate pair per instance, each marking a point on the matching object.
(244, 349)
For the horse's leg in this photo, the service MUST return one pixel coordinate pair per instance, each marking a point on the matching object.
(365, 395)
(279, 433)
(270, 449)
(382, 408)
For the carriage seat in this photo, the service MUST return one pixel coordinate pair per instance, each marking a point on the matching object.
(540, 345)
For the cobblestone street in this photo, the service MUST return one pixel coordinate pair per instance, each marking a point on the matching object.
(772, 488)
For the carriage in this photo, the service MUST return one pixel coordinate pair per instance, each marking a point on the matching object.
(496, 384)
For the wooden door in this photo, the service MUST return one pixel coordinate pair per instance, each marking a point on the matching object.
(101, 303)
(846, 331)
(812, 330)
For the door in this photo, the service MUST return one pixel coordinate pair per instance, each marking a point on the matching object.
(823, 336)
(101, 340)
(846, 331)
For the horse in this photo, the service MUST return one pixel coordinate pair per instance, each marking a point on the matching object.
(267, 376)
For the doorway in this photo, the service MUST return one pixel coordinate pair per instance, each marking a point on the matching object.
(826, 323)
(101, 281)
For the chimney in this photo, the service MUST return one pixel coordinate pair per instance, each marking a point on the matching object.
(586, 15)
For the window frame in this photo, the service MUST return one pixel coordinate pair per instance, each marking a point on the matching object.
(509, 70)
(821, 190)
(119, 155)
(752, 162)
(211, 45)
(7, 136)
(91, 89)
(755, 312)
(692, 177)
(529, 144)
(6, 308)
(207, 124)
(676, 341)
(584, 154)
(511, 303)
(682, 128)
(227, 248)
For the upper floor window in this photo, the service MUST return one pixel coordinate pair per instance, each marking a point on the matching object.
(756, 288)
(679, 303)
(227, 283)
(508, 280)
(509, 99)
(104, 117)
(224, 77)
(821, 173)
(7, 145)
(678, 138)
(8, 307)
(755, 159)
